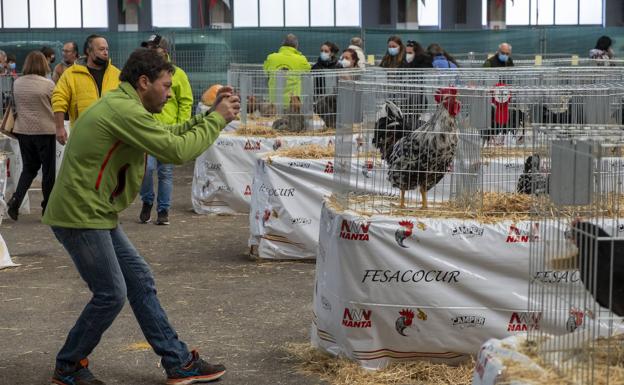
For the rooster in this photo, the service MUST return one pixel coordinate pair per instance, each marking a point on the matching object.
(422, 157)
(504, 119)
(601, 265)
(532, 181)
(293, 121)
(389, 129)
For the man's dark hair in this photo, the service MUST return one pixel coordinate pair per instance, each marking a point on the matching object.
(144, 61)
(604, 43)
(74, 46)
(88, 41)
(47, 51)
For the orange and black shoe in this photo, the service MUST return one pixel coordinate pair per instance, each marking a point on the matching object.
(81, 375)
(196, 371)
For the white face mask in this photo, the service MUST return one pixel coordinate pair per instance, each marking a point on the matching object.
(345, 63)
(409, 57)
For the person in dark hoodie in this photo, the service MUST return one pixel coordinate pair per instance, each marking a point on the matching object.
(415, 56)
(328, 60)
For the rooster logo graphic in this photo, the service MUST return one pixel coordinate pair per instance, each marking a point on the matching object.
(403, 232)
(404, 321)
(277, 144)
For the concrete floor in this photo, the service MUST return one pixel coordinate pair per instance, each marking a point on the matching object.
(232, 309)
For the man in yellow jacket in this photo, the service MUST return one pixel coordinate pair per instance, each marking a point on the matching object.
(83, 83)
(177, 110)
(288, 58)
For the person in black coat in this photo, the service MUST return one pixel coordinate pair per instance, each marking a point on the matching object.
(502, 57)
(325, 96)
(415, 56)
(327, 59)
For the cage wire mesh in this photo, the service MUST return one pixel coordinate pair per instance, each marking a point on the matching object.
(577, 267)
(448, 150)
(287, 102)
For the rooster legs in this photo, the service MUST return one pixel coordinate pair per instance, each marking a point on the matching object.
(402, 201)
(423, 195)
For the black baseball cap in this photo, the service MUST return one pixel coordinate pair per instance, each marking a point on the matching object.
(156, 41)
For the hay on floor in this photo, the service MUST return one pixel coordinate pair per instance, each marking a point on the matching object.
(308, 151)
(340, 371)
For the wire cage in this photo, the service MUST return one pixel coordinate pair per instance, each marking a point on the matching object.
(446, 150)
(577, 265)
(288, 102)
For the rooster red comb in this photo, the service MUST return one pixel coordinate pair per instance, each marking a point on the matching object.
(448, 97)
(442, 92)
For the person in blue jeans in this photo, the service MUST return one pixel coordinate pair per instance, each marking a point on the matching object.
(177, 110)
(101, 174)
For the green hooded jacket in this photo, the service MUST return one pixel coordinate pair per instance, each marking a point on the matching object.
(103, 165)
(180, 105)
(286, 59)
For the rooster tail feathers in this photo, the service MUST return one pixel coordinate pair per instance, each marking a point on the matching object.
(393, 112)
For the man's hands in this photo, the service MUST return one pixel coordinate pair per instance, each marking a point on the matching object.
(227, 104)
(61, 135)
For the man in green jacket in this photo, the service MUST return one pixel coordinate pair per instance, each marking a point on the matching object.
(100, 176)
(177, 110)
(288, 58)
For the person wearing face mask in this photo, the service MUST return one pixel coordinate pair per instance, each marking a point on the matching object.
(12, 65)
(349, 59)
(70, 55)
(440, 58)
(502, 57)
(395, 55)
(82, 84)
(415, 56)
(327, 58)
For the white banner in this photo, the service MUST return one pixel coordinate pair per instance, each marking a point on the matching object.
(223, 174)
(392, 288)
(5, 258)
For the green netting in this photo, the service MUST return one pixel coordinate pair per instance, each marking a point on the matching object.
(205, 54)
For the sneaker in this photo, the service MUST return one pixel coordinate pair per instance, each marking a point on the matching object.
(81, 376)
(13, 208)
(163, 218)
(196, 371)
(146, 213)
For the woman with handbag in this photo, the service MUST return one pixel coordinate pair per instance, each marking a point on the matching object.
(35, 129)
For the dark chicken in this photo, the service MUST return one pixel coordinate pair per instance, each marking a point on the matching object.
(293, 119)
(325, 107)
(512, 123)
(389, 129)
(532, 180)
(595, 259)
(422, 157)
(503, 119)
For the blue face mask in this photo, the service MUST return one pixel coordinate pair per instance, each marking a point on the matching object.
(502, 57)
(393, 51)
(325, 56)
(12, 66)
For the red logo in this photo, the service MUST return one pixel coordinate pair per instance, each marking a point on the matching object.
(357, 318)
(8, 167)
(354, 230)
(576, 318)
(252, 145)
(403, 232)
(329, 168)
(247, 190)
(330, 143)
(519, 235)
(524, 321)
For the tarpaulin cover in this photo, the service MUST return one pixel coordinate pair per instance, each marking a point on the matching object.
(391, 288)
(224, 173)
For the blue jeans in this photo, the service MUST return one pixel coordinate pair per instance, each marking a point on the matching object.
(113, 269)
(165, 183)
